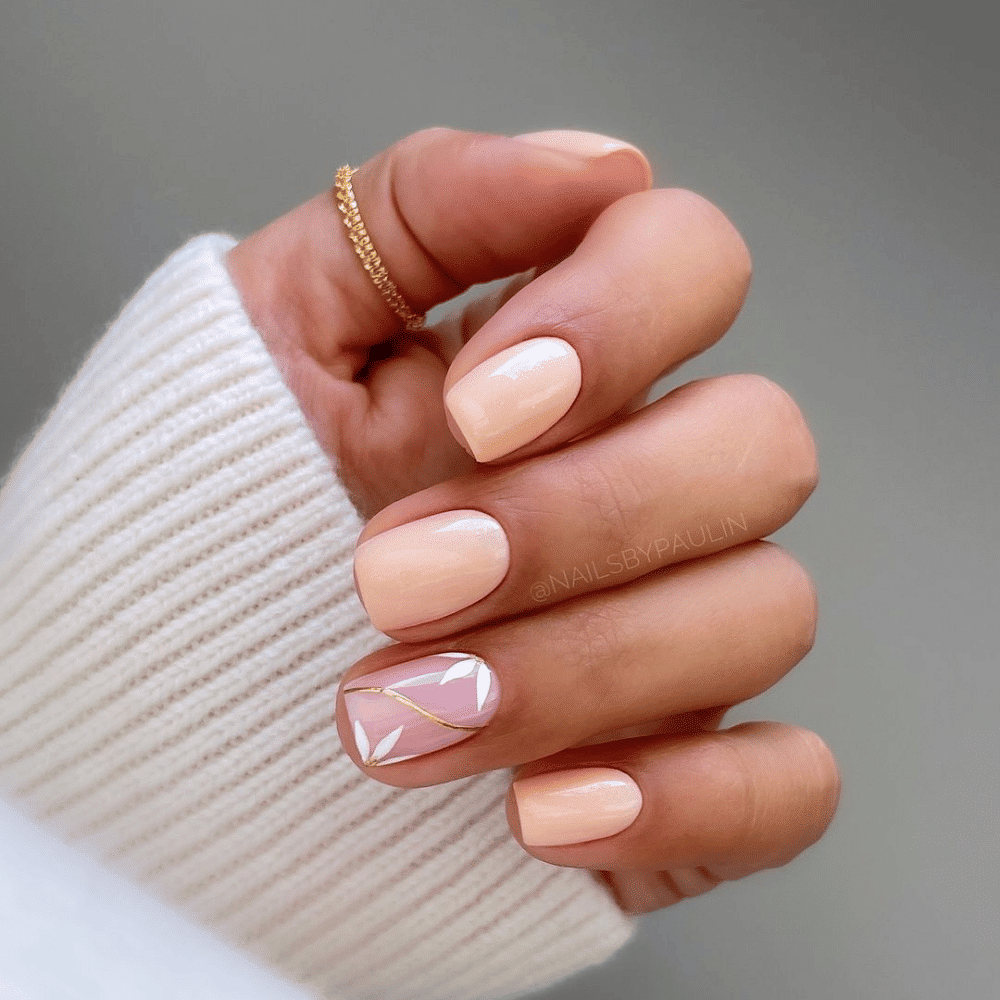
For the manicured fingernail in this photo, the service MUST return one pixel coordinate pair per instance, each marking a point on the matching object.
(424, 570)
(509, 399)
(569, 807)
(589, 144)
(419, 706)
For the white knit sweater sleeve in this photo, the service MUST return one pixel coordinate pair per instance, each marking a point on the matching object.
(176, 610)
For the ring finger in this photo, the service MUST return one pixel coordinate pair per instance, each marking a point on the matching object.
(658, 278)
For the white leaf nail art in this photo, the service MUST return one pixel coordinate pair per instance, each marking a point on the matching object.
(385, 744)
(483, 680)
(361, 738)
(463, 668)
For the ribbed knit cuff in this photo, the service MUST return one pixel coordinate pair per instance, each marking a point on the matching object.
(176, 611)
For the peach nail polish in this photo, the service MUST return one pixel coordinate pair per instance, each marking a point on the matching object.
(588, 146)
(424, 570)
(567, 140)
(509, 399)
(570, 807)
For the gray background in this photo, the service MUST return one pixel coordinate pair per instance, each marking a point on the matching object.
(855, 146)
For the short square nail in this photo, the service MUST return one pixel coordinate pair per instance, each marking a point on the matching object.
(570, 807)
(420, 706)
(509, 399)
(427, 569)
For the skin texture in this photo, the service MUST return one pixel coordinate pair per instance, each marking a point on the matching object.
(640, 601)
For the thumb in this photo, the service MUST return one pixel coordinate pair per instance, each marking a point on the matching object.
(445, 210)
(448, 209)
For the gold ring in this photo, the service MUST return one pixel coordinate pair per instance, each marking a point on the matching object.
(366, 250)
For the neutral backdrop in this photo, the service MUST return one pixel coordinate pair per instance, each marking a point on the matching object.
(855, 145)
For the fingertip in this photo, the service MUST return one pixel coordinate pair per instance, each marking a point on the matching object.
(590, 146)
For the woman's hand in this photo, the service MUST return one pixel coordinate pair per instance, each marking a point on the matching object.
(596, 583)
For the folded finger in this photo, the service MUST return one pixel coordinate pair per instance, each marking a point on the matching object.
(446, 209)
(732, 802)
(658, 278)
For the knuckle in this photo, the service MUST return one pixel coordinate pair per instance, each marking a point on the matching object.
(408, 167)
(791, 438)
(811, 793)
(799, 601)
(742, 792)
(823, 775)
(727, 241)
(776, 812)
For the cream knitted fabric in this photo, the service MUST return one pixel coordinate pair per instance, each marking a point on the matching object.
(176, 610)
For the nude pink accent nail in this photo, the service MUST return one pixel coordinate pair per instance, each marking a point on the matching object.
(570, 807)
(420, 706)
(427, 569)
(509, 399)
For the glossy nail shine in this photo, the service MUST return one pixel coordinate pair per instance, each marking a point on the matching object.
(513, 397)
(420, 706)
(571, 807)
(429, 568)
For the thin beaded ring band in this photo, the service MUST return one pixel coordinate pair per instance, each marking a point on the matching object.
(367, 252)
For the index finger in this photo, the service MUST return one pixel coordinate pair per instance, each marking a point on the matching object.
(659, 277)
